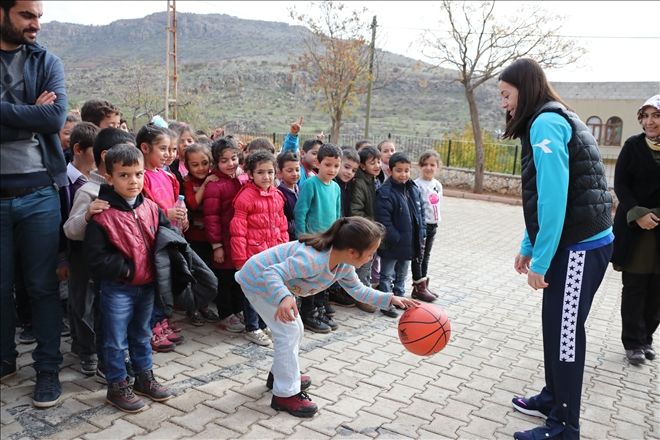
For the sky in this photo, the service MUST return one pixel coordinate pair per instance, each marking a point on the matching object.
(622, 38)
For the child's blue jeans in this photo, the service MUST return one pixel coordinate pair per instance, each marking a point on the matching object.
(397, 270)
(126, 311)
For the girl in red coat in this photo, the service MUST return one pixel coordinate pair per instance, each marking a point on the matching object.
(218, 212)
(198, 161)
(259, 223)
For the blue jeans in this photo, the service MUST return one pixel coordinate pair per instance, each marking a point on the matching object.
(253, 320)
(126, 311)
(396, 270)
(29, 233)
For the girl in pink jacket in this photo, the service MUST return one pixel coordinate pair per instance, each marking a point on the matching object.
(258, 224)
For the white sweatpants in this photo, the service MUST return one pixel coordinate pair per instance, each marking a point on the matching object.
(287, 337)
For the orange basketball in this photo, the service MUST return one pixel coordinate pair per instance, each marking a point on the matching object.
(424, 330)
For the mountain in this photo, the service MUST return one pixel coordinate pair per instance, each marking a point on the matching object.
(236, 71)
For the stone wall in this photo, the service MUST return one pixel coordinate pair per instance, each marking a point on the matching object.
(506, 184)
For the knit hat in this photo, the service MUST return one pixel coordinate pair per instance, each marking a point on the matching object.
(653, 101)
(108, 138)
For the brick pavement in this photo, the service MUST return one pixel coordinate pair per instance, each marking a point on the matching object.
(366, 384)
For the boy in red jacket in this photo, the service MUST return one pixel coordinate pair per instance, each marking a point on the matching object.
(119, 245)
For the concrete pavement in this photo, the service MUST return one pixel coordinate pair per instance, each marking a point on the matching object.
(365, 383)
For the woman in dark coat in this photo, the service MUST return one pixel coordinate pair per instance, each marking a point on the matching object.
(637, 235)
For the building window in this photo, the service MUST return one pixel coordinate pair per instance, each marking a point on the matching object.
(594, 123)
(613, 130)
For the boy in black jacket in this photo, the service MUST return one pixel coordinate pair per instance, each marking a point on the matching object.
(119, 246)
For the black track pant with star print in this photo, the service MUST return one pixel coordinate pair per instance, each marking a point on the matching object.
(573, 278)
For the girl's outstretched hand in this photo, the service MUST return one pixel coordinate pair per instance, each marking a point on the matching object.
(287, 311)
(404, 303)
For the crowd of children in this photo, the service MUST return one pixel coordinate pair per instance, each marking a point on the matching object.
(240, 201)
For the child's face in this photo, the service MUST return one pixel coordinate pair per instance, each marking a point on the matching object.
(362, 258)
(155, 155)
(184, 140)
(171, 152)
(228, 162)
(309, 158)
(290, 173)
(429, 168)
(127, 181)
(112, 120)
(371, 166)
(328, 168)
(198, 165)
(263, 175)
(347, 170)
(65, 134)
(386, 151)
(401, 172)
(84, 158)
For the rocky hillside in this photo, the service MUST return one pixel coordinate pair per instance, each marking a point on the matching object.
(235, 70)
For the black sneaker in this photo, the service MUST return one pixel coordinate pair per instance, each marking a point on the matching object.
(523, 405)
(649, 352)
(27, 335)
(327, 320)
(341, 298)
(7, 369)
(147, 385)
(196, 319)
(390, 312)
(121, 395)
(209, 315)
(47, 391)
(636, 356)
(88, 365)
(313, 323)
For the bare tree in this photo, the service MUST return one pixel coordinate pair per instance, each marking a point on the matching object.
(479, 46)
(141, 98)
(335, 58)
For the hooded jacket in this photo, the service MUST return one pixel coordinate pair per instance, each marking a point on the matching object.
(42, 71)
(119, 242)
(399, 208)
(259, 222)
(218, 212)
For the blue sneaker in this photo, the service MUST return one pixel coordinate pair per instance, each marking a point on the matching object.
(524, 406)
(48, 390)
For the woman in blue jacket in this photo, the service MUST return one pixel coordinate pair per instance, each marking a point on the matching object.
(568, 236)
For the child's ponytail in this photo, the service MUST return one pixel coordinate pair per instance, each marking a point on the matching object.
(356, 233)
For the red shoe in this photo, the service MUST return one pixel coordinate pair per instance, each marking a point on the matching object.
(169, 333)
(159, 341)
(173, 325)
(299, 405)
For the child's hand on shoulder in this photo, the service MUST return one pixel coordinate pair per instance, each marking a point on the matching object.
(210, 178)
(295, 127)
(287, 311)
(96, 207)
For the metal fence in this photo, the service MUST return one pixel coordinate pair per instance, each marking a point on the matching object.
(498, 158)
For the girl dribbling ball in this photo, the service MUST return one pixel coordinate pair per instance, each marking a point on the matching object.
(272, 279)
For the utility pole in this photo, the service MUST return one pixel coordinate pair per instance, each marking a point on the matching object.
(171, 88)
(372, 50)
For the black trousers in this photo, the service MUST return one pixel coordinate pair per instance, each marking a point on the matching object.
(420, 264)
(573, 278)
(640, 309)
(81, 308)
(230, 296)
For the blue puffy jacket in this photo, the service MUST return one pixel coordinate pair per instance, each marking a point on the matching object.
(399, 208)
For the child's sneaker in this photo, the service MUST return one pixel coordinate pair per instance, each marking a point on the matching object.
(258, 337)
(649, 352)
(524, 406)
(390, 312)
(169, 333)
(299, 405)
(209, 315)
(88, 365)
(121, 395)
(305, 381)
(268, 331)
(172, 325)
(159, 341)
(147, 385)
(196, 319)
(313, 322)
(27, 335)
(231, 324)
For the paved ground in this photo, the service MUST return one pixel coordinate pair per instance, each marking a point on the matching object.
(365, 383)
